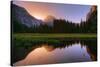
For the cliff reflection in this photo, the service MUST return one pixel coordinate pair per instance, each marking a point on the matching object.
(30, 49)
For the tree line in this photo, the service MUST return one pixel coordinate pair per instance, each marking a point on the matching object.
(59, 26)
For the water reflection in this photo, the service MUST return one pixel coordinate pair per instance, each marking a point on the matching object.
(64, 51)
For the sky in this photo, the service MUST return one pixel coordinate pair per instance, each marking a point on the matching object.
(71, 12)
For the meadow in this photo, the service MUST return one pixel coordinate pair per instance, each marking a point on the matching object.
(58, 35)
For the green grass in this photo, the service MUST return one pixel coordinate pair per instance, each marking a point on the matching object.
(30, 39)
(32, 35)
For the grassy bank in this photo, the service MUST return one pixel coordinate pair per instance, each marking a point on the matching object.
(31, 35)
(29, 39)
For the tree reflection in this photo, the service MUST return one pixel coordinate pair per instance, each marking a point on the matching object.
(20, 48)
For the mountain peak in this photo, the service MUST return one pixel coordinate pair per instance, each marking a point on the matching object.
(21, 15)
(49, 18)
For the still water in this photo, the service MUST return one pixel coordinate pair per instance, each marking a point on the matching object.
(80, 51)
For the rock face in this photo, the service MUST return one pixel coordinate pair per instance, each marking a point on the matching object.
(92, 15)
(91, 20)
(21, 15)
